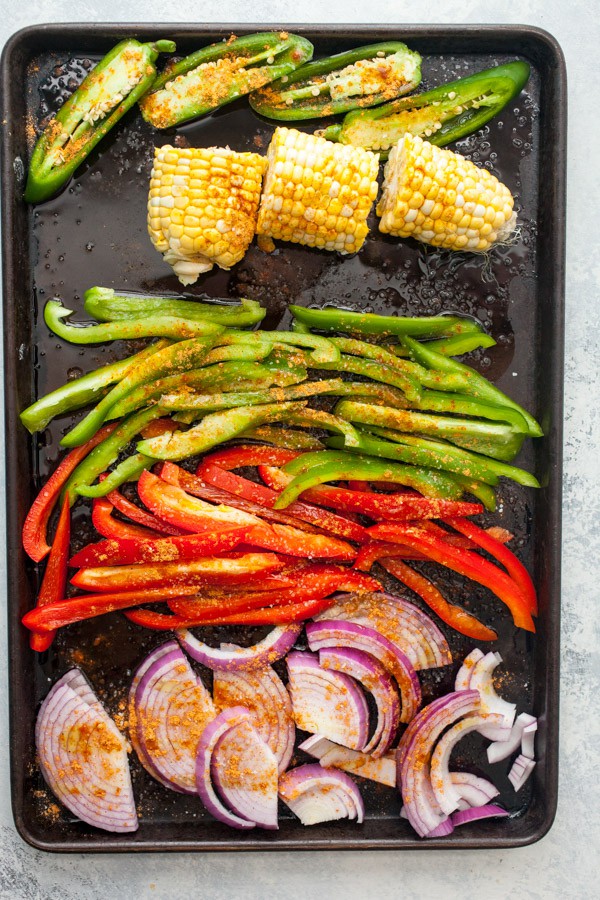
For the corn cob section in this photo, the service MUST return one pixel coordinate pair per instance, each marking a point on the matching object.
(202, 207)
(316, 192)
(443, 199)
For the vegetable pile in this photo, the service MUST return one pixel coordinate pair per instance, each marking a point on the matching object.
(239, 476)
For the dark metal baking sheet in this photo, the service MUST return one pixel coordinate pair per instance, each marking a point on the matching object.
(94, 233)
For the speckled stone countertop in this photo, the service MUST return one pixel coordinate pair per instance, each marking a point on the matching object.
(565, 863)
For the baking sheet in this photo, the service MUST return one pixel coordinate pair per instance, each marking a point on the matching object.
(94, 233)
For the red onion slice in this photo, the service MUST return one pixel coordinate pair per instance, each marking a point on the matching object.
(491, 811)
(170, 710)
(520, 771)
(244, 772)
(326, 702)
(382, 770)
(442, 830)
(374, 679)
(83, 757)
(319, 795)
(473, 791)
(211, 735)
(463, 676)
(414, 755)
(401, 622)
(233, 659)
(444, 789)
(500, 750)
(481, 680)
(528, 740)
(325, 634)
(264, 694)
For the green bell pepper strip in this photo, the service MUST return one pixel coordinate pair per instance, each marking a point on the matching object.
(124, 329)
(485, 493)
(316, 418)
(489, 438)
(287, 438)
(354, 365)
(321, 348)
(440, 116)
(469, 406)
(105, 453)
(344, 320)
(312, 469)
(327, 87)
(177, 357)
(221, 73)
(129, 469)
(215, 429)
(186, 400)
(453, 346)
(477, 385)
(103, 97)
(81, 391)
(212, 380)
(477, 467)
(238, 351)
(381, 394)
(106, 306)
(284, 357)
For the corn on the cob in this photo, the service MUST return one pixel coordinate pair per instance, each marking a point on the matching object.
(202, 207)
(443, 199)
(316, 192)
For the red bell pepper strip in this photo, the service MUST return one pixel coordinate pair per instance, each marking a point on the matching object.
(465, 562)
(36, 523)
(76, 609)
(55, 576)
(452, 615)
(209, 570)
(375, 550)
(180, 508)
(264, 496)
(273, 615)
(169, 549)
(109, 527)
(398, 506)
(311, 583)
(251, 455)
(141, 516)
(158, 427)
(502, 554)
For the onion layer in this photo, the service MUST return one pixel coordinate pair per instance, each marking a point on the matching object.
(481, 671)
(443, 786)
(316, 795)
(325, 634)
(382, 770)
(233, 659)
(472, 790)
(244, 772)
(169, 709)
(326, 702)
(491, 811)
(520, 771)
(263, 693)
(500, 750)
(401, 622)
(83, 756)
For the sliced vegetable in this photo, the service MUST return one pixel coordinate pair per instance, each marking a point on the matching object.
(361, 77)
(520, 771)
(104, 96)
(443, 115)
(232, 658)
(128, 551)
(519, 736)
(219, 74)
(317, 795)
(106, 306)
(209, 739)
(382, 770)
(333, 318)
(55, 577)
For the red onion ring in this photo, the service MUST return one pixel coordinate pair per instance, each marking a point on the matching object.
(472, 790)
(325, 634)
(83, 756)
(211, 735)
(463, 676)
(414, 754)
(382, 770)
(481, 680)
(170, 710)
(446, 794)
(263, 693)
(374, 679)
(326, 702)
(231, 658)
(319, 795)
(520, 771)
(244, 772)
(464, 816)
(401, 622)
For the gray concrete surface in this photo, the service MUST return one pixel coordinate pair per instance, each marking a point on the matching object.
(565, 863)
